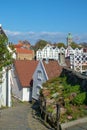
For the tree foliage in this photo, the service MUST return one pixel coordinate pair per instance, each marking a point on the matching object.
(74, 45)
(59, 45)
(5, 56)
(40, 44)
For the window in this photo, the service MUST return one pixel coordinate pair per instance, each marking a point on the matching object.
(38, 90)
(39, 74)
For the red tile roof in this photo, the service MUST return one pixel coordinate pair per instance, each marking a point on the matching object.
(52, 68)
(24, 51)
(25, 70)
(18, 45)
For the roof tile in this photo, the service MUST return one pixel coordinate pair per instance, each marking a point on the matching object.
(52, 68)
(24, 51)
(25, 70)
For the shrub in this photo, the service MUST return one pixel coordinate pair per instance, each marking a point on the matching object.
(69, 110)
(80, 99)
(75, 88)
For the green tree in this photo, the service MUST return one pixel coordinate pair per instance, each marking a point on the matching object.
(59, 45)
(74, 45)
(5, 56)
(40, 44)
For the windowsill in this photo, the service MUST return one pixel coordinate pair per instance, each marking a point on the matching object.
(39, 78)
(38, 94)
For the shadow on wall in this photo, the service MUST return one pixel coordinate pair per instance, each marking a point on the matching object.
(30, 95)
(74, 78)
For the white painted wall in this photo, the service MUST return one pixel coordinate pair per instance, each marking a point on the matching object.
(17, 90)
(3, 90)
(49, 52)
(27, 94)
(23, 94)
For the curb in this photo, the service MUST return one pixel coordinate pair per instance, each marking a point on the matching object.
(72, 123)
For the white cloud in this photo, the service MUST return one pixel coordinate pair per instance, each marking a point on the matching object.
(33, 37)
(12, 33)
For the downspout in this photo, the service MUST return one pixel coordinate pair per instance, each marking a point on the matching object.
(6, 86)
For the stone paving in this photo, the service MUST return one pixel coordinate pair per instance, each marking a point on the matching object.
(19, 117)
(14, 118)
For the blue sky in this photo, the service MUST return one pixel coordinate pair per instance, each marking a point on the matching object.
(50, 20)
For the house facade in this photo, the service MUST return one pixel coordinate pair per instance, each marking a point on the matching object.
(5, 88)
(24, 54)
(23, 51)
(77, 57)
(22, 73)
(44, 71)
(53, 53)
(28, 77)
(48, 52)
(39, 77)
(5, 84)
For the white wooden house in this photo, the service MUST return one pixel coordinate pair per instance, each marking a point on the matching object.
(5, 88)
(22, 73)
(44, 71)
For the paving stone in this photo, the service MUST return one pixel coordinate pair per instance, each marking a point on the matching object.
(19, 117)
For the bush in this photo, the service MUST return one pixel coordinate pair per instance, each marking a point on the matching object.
(80, 99)
(69, 110)
(75, 88)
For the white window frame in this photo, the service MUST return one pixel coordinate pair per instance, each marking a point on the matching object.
(38, 90)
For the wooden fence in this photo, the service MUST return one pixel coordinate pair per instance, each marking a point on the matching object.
(48, 117)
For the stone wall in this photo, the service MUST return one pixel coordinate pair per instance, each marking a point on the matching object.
(75, 78)
(22, 56)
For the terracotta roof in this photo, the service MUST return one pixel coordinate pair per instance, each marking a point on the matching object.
(24, 51)
(52, 68)
(25, 70)
(18, 45)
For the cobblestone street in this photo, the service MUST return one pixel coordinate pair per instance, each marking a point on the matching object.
(19, 117)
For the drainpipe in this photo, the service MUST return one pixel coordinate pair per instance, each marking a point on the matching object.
(7, 86)
(8, 89)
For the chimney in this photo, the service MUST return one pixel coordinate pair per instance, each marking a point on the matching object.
(62, 58)
(47, 61)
